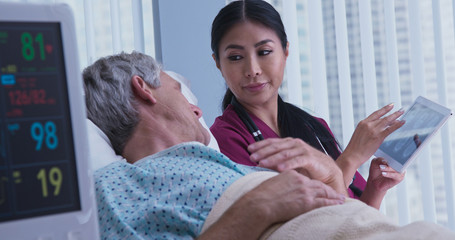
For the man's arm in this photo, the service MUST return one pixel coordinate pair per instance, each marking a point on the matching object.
(277, 199)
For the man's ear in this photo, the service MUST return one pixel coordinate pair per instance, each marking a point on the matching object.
(142, 90)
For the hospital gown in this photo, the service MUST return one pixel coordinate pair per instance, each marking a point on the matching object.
(163, 196)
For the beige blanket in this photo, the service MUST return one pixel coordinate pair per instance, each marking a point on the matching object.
(351, 220)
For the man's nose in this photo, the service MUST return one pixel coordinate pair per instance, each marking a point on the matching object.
(196, 110)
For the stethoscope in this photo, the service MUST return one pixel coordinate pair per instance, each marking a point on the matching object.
(254, 130)
(250, 125)
(257, 135)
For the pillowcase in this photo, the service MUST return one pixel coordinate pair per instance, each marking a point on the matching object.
(100, 148)
(101, 152)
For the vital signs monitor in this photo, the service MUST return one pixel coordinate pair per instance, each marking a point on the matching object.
(46, 187)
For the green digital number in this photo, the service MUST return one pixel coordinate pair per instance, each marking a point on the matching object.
(39, 39)
(27, 46)
(28, 50)
(55, 177)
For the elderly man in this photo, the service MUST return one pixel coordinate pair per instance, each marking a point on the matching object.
(173, 185)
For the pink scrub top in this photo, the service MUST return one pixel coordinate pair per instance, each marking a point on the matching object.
(233, 139)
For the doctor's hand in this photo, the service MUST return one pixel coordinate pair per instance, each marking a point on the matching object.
(371, 132)
(381, 178)
(282, 154)
(366, 139)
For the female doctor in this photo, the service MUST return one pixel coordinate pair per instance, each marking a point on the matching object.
(257, 127)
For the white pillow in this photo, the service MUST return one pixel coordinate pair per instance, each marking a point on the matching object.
(101, 152)
(100, 148)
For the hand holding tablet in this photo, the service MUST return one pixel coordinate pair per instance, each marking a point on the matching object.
(423, 120)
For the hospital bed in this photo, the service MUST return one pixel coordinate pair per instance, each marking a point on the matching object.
(352, 220)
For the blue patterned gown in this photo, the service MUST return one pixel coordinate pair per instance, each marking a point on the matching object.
(167, 195)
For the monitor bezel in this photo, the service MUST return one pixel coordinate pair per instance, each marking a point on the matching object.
(83, 222)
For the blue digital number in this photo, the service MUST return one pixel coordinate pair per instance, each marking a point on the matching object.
(37, 134)
(51, 138)
(46, 134)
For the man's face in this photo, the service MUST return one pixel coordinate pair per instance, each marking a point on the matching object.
(180, 116)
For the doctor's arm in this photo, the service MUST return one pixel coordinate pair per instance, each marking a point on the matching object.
(366, 139)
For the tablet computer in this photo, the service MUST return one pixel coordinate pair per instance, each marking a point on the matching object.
(46, 186)
(423, 119)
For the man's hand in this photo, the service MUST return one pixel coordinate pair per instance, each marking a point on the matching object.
(276, 200)
(290, 194)
(282, 154)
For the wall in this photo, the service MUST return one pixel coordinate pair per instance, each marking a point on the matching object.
(182, 44)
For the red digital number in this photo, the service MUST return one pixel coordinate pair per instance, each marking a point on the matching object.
(38, 96)
(14, 98)
(27, 97)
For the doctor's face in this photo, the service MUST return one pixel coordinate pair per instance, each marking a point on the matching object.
(252, 61)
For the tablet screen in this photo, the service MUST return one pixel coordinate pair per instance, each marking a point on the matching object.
(421, 121)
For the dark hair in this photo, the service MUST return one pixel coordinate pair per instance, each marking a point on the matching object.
(257, 11)
(295, 122)
(292, 121)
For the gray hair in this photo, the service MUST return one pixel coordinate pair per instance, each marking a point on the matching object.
(109, 95)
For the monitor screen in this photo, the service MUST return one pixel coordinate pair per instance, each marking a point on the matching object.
(38, 173)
